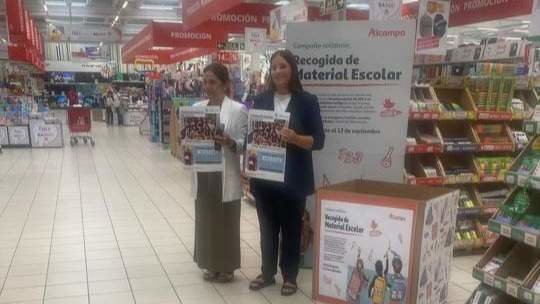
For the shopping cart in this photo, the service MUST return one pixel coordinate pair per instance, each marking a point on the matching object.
(80, 125)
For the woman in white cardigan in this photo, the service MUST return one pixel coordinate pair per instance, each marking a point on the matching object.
(217, 204)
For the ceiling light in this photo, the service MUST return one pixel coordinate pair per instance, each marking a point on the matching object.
(116, 18)
(125, 4)
(78, 4)
(409, 1)
(525, 21)
(4, 40)
(157, 7)
(101, 43)
(55, 3)
(490, 29)
(168, 20)
(162, 48)
(45, 7)
(512, 38)
(283, 2)
(360, 6)
(521, 31)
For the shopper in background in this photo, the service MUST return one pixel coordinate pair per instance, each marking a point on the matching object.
(109, 101)
(117, 106)
(217, 205)
(280, 206)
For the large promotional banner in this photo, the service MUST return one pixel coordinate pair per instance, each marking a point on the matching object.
(195, 12)
(432, 27)
(363, 98)
(266, 153)
(365, 251)
(465, 12)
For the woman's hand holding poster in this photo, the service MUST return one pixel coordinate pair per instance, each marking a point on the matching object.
(266, 152)
(199, 126)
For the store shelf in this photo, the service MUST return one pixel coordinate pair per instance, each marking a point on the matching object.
(525, 236)
(510, 288)
(424, 148)
(424, 115)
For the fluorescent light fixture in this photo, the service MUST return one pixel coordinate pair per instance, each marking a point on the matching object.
(521, 31)
(360, 6)
(55, 3)
(512, 38)
(409, 1)
(168, 20)
(125, 4)
(78, 4)
(101, 43)
(525, 21)
(490, 29)
(45, 7)
(283, 2)
(4, 40)
(162, 48)
(157, 7)
(116, 18)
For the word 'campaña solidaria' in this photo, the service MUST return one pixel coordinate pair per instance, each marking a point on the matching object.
(343, 74)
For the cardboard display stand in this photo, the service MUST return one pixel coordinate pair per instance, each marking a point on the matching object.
(382, 243)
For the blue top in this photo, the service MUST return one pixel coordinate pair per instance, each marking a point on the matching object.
(305, 119)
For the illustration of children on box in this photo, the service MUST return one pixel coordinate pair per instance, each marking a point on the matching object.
(396, 281)
(357, 282)
(379, 285)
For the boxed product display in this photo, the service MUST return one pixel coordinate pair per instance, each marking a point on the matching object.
(491, 196)
(492, 93)
(492, 168)
(487, 295)
(455, 104)
(493, 137)
(457, 136)
(423, 137)
(467, 236)
(458, 168)
(525, 169)
(424, 169)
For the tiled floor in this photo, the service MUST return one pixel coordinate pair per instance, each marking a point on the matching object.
(114, 224)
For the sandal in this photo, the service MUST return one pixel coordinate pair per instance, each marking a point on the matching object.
(288, 288)
(260, 283)
(224, 277)
(210, 275)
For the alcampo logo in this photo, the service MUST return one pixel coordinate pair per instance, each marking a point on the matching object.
(376, 33)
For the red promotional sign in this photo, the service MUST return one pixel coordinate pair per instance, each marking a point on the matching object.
(196, 12)
(463, 12)
(241, 16)
(183, 54)
(15, 18)
(27, 24)
(228, 57)
(174, 35)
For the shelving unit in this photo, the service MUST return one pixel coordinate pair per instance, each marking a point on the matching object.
(461, 135)
(512, 263)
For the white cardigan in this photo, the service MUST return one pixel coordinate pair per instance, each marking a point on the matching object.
(234, 117)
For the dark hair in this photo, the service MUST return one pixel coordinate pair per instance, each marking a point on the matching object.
(379, 267)
(222, 73)
(294, 85)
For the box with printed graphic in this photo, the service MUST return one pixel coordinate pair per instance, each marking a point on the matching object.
(383, 243)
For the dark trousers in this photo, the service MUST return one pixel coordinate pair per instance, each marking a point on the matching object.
(120, 117)
(278, 211)
(110, 119)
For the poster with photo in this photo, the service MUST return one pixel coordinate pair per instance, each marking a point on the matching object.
(432, 27)
(266, 153)
(199, 126)
(364, 251)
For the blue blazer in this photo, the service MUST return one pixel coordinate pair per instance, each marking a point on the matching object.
(305, 120)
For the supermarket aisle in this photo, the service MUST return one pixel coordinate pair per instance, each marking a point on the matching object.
(114, 224)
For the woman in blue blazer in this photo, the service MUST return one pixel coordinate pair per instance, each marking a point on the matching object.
(280, 206)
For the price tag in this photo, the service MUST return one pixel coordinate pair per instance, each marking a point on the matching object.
(510, 179)
(489, 279)
(489, 147)
(521, 180)
(506, 231)
(531, 239)
(498, 284)
(512, 289)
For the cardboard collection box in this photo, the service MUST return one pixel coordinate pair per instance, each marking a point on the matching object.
(378, 242)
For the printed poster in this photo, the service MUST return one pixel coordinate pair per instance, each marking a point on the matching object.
(255, 40)
(296, 11)
(266, 153)
(432, 27)
(46, 134)
(363, 98)
(19, 135)
(364, 252)
(199, 126)
(437, 249)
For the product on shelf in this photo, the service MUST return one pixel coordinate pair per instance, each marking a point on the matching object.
(487, 295)
(521, 139)
(492, 134)
(492, 198)
(465, 200)
(458, 168)
(516, 209)
(492, 93)
(457, 136)
(467, 235)
(423, 169)
(529, 163)
(494, 167)
(494, 264)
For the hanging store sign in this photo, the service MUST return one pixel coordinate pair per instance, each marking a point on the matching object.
(255, 39)
(463, 12)
(432, 27)
(240, 17)
(231, 46)
(76, 33)
(15, 19)
(70, 66)
(228, 57)
(174, 35)
(332, 6)
(196, 12)
(281, 16)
